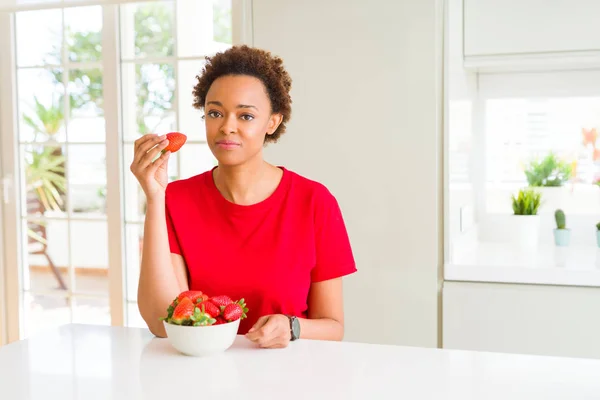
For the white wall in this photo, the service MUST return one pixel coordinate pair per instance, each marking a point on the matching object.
(529, 319)
(366, 123)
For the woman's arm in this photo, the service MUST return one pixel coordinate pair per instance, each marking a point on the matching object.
(162, 274)
(325, 311)
(325, 318)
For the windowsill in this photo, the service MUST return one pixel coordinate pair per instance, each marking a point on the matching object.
(549, 265)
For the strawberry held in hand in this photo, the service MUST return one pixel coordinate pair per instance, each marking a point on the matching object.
(176, 140)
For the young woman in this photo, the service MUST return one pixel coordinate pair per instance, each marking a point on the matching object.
(247, 229)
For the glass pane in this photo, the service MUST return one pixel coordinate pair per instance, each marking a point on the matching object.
(203, 27)
(83, 32)
(41, 105)
(39, 37)
(135, 199)
(85, 89)
(190, 119)
(88, 200)
(42, 313)
(195, 159)
(89, 250)
(134, 319)
(87, 164)
(91, 311)
(147, 30)
(46, 257)
(148, 96)
(133, 242)
(222, 22)
(45, 183)
(86, 122)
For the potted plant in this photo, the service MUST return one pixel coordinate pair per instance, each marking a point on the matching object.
(526, 221)
(598, 233)
(562, 235)
(549, 175)
(549, 172)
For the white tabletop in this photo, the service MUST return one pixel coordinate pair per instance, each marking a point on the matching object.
(92, 362)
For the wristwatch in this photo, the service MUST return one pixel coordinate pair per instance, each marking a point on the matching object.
(294, 327)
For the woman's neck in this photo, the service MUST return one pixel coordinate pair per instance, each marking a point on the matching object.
(247, 184)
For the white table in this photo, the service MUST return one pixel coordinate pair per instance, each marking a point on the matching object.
(92, 362)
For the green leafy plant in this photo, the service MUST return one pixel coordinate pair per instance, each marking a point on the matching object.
(46, 121)
(527, 202)
(598, 226)
(560, 218)
(45, 174)
(550, 172)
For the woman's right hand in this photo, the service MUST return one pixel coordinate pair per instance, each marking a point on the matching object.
(152, 175)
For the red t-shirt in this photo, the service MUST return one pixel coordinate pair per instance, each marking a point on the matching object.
(268, 253)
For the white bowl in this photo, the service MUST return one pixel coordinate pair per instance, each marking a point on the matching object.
(201, 341)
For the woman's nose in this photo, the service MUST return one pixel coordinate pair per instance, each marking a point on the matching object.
(229, 124)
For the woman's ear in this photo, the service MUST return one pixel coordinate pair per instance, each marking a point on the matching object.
(274, 122)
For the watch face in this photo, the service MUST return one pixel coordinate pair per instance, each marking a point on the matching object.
(295, 328)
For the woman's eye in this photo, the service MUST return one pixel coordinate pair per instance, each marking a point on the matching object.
(213, 114)
(247, 117)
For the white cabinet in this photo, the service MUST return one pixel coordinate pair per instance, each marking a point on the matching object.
(544, 32)
(495, 27)
(529, 319)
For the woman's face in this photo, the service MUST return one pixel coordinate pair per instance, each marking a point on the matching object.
(238, 116)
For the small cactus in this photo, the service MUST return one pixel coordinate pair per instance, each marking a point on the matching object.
(561, 223)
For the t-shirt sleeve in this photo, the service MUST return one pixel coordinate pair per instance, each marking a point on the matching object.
(173, 241)
(333, 250)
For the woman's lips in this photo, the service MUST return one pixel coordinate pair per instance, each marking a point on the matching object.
(227, 144)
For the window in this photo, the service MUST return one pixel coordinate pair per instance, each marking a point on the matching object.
(64, 141)
(62, 164)
(515, 132)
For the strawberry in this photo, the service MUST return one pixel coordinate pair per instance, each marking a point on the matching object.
(170, 310)
(201, 317)
(210, 308)
(235, 311)
(176, 140)
(183, 313)
(220, 321)
(194, 295)
(221, 301)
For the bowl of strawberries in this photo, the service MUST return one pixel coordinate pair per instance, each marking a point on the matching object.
(199, 325)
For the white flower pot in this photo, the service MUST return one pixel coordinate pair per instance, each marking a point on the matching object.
(525, 231)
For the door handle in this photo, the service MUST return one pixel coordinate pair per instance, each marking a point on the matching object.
(6, 186)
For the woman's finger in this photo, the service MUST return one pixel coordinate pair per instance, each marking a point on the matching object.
(276, 342)
(151, 155)
(146, 146)
(143, 139)
(160, 162)
(261, 321)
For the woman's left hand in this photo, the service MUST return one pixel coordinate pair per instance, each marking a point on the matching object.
(271, 331)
